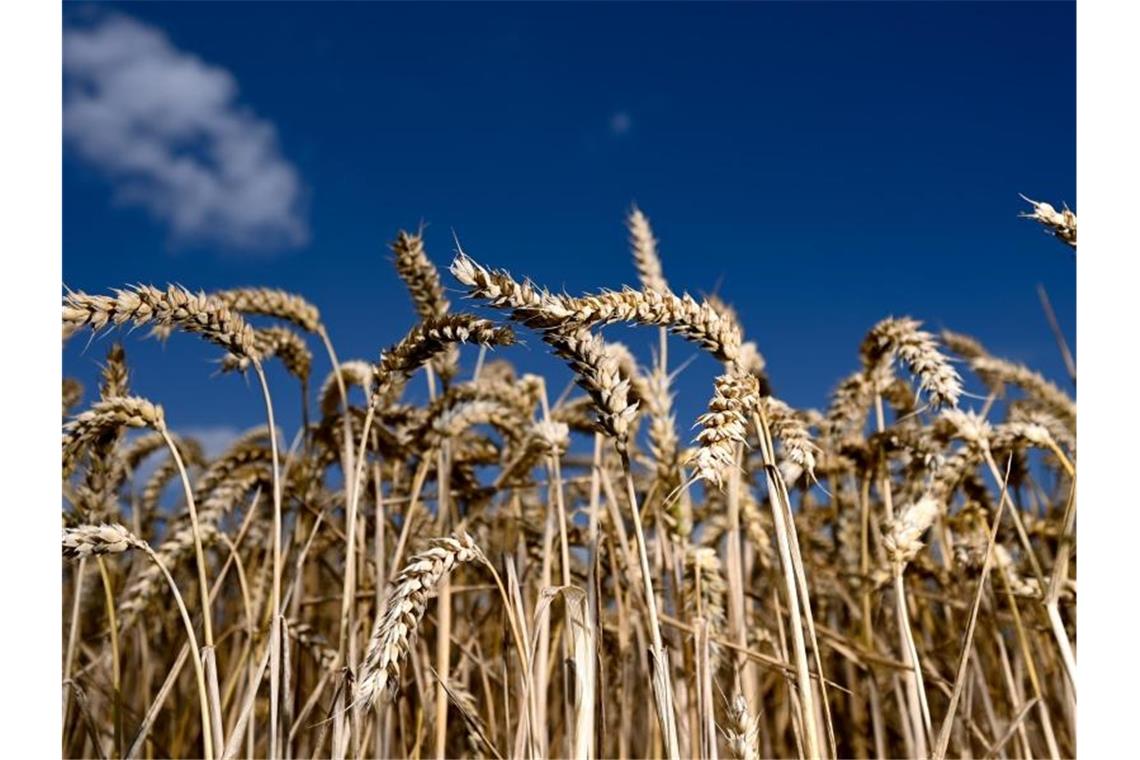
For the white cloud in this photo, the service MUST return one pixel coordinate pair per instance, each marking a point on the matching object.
(169, 131)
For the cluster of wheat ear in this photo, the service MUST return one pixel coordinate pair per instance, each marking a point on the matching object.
(449, 559)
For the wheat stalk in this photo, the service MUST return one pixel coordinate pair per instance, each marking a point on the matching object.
(99, 540)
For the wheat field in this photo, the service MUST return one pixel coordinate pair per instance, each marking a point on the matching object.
(509, 570)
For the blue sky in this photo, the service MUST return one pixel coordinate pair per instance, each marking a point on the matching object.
(820, 166)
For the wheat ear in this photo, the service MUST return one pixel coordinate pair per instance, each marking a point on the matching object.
(644, 247)
(1060, 224)
(741, 730)
(997, 372)
(276, 342)
(278, 304)
(172, 308)
(918, 350)
(397, 623)
(106, 415)
(724, 425)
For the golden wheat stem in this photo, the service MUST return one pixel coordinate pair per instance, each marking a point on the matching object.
(353, 493)
(195, 654)
(1058, 335)
(662, 683)
(116, 666)
(1056, 579)
(413, 502)
(1015, 516)
(943, 741)
(744, 670)
(802, 585)
(1030, 667)
(199, 554)
(910, 652)
(803, 673)
(73, 633)
(347, 463)
(180, 661)
(275, 622)
(920, 723)
(444, 599)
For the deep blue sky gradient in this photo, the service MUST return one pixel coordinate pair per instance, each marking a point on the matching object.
(821, 166)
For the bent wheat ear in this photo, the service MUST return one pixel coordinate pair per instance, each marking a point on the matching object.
(528, 303)
(971, 427)
(95, 540)
(792, 432)
(534, 307)
(543, 439)
(173, 308)
(598, 372)
(427, 340)
(964, 345)
(1019, 412)
(353, 372)
(453, 421)
(278, 304)
(724, 425)
(522, 395)
(997, 372)
(918, 350)
(249, 449)
(699, 323)
(107, 415)
(276, 342)
(397, 623)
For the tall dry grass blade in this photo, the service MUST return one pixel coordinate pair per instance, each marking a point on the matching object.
(943, 741)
